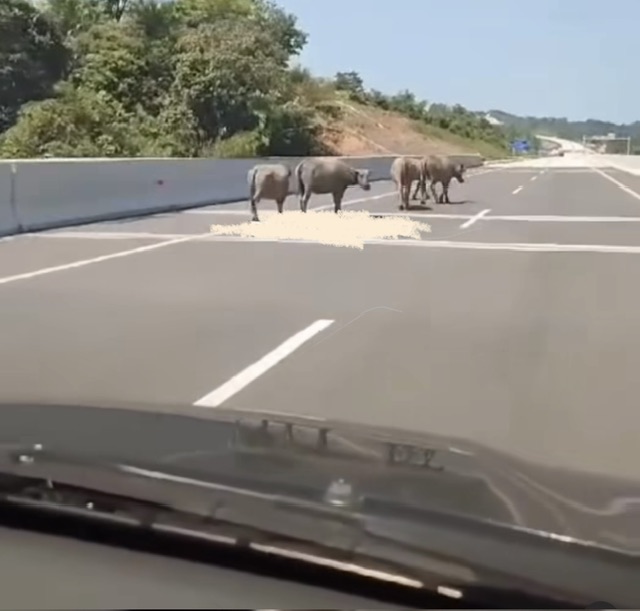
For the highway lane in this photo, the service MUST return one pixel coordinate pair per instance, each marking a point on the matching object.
(528, 350)
(560, 207)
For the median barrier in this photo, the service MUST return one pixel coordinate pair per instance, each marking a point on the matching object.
(8, 219)
(56, 192)
(50, 193)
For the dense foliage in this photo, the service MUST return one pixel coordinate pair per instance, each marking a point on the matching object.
(175, 78)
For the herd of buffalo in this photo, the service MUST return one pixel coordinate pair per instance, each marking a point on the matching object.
(334, 176)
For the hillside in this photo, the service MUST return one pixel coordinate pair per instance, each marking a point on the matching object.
(356, 120)
(368, 130)
(183, 78)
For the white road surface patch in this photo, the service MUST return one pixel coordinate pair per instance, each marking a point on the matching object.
(475, 218)
(516, 191)
(241, 380)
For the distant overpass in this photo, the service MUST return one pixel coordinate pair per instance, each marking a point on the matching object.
(568, 146)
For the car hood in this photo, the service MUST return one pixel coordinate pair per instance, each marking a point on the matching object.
(303, 456)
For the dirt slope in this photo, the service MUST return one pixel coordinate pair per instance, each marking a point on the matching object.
(364, 130)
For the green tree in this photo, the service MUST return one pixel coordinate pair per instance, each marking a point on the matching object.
(71, 16)
(225, 72)
(111, 57)
(352, 83)
(275, 22)
(80, 122)
(32, 57)
(74, 16)
(290, 129)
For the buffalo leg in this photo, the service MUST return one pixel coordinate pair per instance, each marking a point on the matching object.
(405, 191)
(434, 192)
(337, 201)
(415, 193)
(304, 200)
(280, 204)
(445, 193)
(424, 196)
(254, 209)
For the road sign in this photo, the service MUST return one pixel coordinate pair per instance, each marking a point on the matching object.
(520, 146)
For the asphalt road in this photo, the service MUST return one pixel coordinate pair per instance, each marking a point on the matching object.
(512, 323)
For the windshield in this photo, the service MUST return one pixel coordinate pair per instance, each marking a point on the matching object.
(335, 211)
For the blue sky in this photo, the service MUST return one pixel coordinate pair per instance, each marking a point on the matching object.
(573, 58)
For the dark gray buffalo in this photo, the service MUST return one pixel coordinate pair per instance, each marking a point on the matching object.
(268, 181)
(328, 176)
(404, 170)
(442, 170)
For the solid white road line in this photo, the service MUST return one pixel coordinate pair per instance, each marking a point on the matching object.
(475, 218)
(108, 235)
(506, 246)
(551, 218)
(460, 245)
(523, 218)
(616, 182)
(511, 246)
(217, 212)
(251, 373)
(84, 262)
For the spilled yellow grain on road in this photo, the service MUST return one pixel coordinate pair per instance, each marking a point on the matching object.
(348, 228)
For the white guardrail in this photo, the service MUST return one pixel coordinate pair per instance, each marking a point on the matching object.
(46, 193)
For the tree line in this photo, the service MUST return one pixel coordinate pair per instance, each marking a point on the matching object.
(187, 78)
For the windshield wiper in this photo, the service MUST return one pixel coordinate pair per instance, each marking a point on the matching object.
(333, 533)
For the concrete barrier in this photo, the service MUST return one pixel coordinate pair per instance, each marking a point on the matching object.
(8, 218)
(51, 193)
(48, 193)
